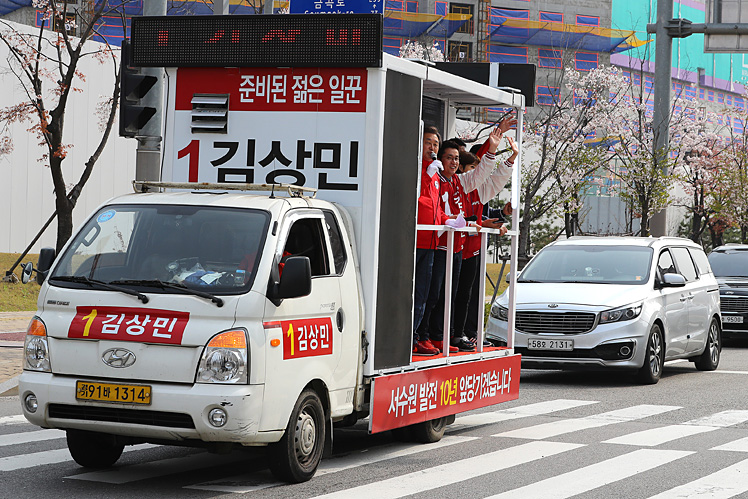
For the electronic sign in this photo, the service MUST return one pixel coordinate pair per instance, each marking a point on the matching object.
(323, 40)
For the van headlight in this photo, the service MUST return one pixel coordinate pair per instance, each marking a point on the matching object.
(499, 312)
(36, 347)
(224, 359)
(621, 314)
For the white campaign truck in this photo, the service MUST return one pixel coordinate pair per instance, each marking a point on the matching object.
(215, 310)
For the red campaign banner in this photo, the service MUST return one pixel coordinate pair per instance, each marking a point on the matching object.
(417, 396)
(145, 325)
(307, 337)
(276, 89)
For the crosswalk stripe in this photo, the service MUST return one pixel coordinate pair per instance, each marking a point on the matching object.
(13, 419)
(555, 428)
(249, 482)
(658, 436)
(721, 419)
(454, 472)
(30, 436)
(521, 411)
(596, 475)
(152, 469)
(13, 463)
(740, 445)
(725, 483)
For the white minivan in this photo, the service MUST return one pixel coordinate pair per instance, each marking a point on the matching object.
(620, 302)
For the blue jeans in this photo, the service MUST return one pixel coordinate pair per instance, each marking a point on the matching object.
(432, 325)
(424, 262)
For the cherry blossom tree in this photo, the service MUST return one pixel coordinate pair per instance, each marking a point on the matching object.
(415, 49)
(46, 65)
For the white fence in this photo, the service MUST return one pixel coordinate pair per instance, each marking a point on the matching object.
(26, 191)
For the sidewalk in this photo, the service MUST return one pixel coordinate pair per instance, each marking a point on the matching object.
(12, 332)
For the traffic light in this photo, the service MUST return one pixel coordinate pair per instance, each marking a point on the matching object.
(133, 87)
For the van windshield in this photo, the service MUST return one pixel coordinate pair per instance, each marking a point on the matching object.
(729, 263)
(590, 264)
(202, 248)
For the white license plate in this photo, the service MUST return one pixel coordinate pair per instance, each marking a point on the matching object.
(735, 319)
(548, 344)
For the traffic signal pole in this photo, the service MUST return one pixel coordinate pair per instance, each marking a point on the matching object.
(665, 30)
(148, 158)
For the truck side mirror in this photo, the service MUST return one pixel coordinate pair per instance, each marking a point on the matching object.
(46, 259)
(295, 281)
(26, 270)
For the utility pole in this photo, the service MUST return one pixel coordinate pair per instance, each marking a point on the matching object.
(661, 118)
(148, 158)
(220, 7)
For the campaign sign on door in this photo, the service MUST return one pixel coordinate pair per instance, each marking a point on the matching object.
(302, 126)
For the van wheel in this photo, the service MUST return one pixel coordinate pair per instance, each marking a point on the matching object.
(93, 450)
(296, 456)
(654, 358)
(429, 431)
(709, 360)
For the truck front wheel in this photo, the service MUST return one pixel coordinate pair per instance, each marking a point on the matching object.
(296, 456)
(93, 450)
(429, 431)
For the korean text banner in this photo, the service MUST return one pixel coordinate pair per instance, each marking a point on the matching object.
(302, 126)
(414, 397)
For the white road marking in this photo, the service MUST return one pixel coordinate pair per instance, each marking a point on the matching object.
(594, 476)
(657, 436)
(249, 482)
(152, 469)
(555, 428)
(454, 472)
(13, 419)
(522, 411)
(24, 461)
(725, 483)
(30, 436)
(740, 445)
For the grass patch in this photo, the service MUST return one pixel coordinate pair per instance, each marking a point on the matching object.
(17, 297)
(492, 269)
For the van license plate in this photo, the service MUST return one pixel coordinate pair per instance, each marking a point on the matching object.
(546, 344)
(110, 392)
(735, 319)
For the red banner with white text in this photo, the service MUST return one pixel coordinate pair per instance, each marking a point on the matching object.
(409, 398)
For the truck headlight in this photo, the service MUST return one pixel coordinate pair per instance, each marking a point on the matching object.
(224, 359)
(36, 347)
(621, 314)
(499, 312)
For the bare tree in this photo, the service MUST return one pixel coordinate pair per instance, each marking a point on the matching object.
(46, 64)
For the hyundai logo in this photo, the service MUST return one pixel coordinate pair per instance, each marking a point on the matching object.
(553, 305)
(118, 357)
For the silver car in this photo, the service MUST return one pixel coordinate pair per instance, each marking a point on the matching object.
(619, 302)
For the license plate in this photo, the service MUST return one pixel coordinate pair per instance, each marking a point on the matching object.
(547, 344)
(735, 319)
(110, 392)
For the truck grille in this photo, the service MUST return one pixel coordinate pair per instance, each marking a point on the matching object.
(119, 415)
(555, 322)
(733, 304)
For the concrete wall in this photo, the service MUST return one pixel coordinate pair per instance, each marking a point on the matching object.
(26, 191)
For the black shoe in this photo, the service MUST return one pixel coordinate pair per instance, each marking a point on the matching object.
(463, 344)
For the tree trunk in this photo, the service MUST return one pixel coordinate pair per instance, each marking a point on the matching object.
(64, 220)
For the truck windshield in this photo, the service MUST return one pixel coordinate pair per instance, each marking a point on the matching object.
(590, 264)
(210, 249)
